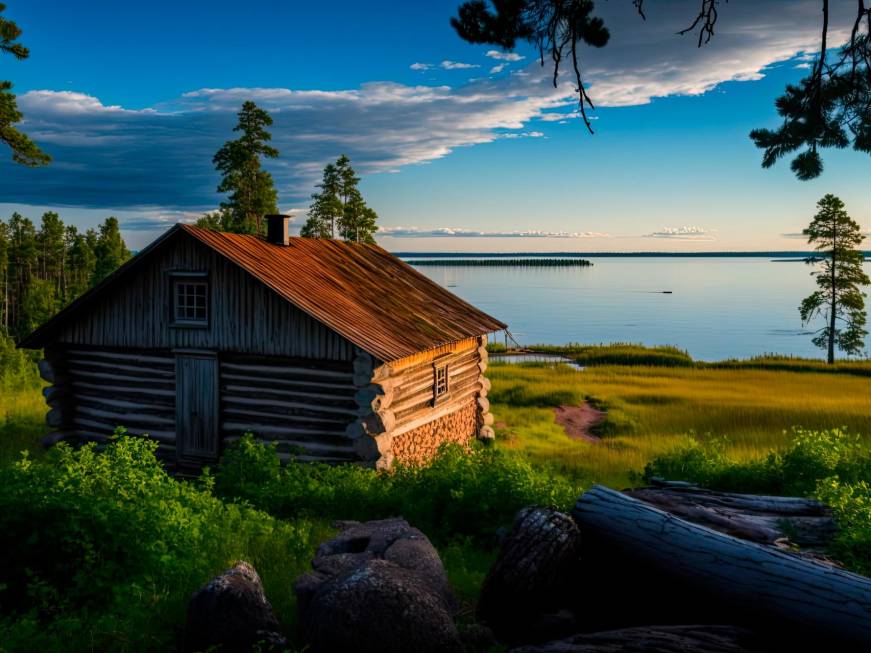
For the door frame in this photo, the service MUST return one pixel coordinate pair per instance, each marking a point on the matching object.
(181, 455)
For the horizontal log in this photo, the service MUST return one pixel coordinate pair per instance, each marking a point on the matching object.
(712, 638)
(125, 405)
(273, 382)
(118, 378)
(455, 376)
(483, 404)
(126, 390)
(241, 413)
(487, 419)
(319, 396)
(486, 433)
(56, 418)
(320, 408)
(762, 584)
(142, 419)
(756, 518)
(278, 432)
(145, 359)
(133, 370)
(374, 397)
(276, 370)
(103, 427)
(424, 402)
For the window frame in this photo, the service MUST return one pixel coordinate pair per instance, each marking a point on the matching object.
(444, 395)
(195, 278)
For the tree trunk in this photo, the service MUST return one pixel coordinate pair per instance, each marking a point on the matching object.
(762, 519)
(535, 572)
(654, 639)
(834, 304)
(750, 584)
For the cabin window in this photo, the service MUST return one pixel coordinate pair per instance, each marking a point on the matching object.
(190, 301)
(440, 383)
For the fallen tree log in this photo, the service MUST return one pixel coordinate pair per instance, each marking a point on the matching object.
(763, 519)
(756, 585)
(654, 639)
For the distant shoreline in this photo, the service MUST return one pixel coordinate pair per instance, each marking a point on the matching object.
(784, 254)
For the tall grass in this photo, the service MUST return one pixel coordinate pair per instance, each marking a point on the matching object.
(650, 410)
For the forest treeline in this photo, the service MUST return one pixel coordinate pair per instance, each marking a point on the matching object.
(43, 268)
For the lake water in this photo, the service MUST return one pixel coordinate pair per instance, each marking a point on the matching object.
(718, 307)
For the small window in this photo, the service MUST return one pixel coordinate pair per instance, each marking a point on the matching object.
(440, 382)
(190, 301)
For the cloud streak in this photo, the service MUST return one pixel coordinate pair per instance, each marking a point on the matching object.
(684, 233)
(455, 232)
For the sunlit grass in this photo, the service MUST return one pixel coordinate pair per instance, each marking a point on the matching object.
(22, 423)
(653, 409)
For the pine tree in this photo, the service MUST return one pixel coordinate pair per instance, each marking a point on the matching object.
(340, 206)
(110, 250)
(24, 150)
(326, 207)
(81, 261)
(251, 191)
(838, 237)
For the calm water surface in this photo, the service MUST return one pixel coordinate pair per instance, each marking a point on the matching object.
(718, 307)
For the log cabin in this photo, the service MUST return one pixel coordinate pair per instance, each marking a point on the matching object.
(334, 351)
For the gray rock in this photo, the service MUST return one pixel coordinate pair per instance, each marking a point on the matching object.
(377, 586)
(231, 614)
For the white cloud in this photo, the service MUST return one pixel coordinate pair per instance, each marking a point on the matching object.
(684, 233)
(159, 158)
(498, 68)
(504, 56)
(457, 65)
(455, 232)
(420, 66)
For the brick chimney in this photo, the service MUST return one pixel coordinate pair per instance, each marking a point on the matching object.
(277, 229)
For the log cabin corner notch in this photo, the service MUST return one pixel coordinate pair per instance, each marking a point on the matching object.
(335, 351)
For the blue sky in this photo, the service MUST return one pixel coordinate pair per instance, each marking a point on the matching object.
(460, 148)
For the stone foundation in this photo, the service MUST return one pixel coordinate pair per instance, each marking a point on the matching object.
(419, 445)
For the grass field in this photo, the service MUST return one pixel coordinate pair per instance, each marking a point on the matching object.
(653, 409)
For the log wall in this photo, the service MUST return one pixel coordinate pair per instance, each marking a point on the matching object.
(303, 406)
(397, 404)
(244, 315)
(92, 392)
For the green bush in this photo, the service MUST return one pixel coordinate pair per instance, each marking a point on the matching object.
(811, 457)
(851, 504)
(17, 366)
(831, 465)
(102, 550)
(460, 494)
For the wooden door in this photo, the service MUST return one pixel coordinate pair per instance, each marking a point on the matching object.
(196, 407)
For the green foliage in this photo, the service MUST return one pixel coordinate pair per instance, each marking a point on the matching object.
(827, 109)
(103, 549)
(616, 353)
(110, 251)
(251, 191)
(24, 150)
(832, 465)
(851, 505)
(810, 457)
(339, 205)
(459, 494)
(42, 270)
(839, 299)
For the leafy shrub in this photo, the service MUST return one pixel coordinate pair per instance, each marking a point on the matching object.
(460, 494)
(810, 457)
(17, 366)
(831, 465)
(851, 505)
(103, 550)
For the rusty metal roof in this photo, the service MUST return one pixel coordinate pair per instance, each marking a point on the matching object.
(361, 292)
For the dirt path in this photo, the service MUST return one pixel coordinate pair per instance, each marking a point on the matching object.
(578, 421)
